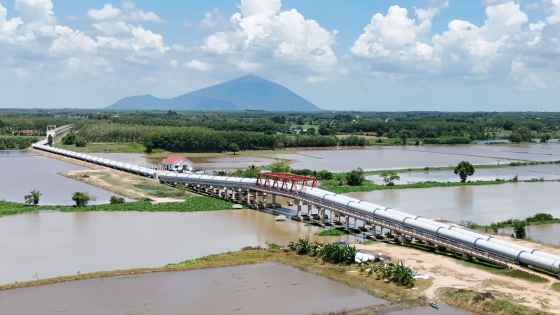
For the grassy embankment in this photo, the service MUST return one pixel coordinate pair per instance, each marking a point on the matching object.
(349, 275)
(369, 186)
(337, 185)
(192, 204)
(487, 303)
(476, 166)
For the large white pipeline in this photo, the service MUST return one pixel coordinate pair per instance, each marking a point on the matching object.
(475, 235)
(515, 252)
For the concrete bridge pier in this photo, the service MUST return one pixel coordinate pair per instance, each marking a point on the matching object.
(347, 222)
(240, 195)
(321, 213)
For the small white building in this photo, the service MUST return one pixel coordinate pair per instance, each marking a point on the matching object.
(177, 163)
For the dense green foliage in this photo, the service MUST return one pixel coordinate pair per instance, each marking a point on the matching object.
(519, 229)
(464, 169)
(192, 204)
(538, 218)
(16, 142)
(397, 273)
(332, 232)
(389, 177)
(114, 200)
(355, 177)
(82, 198)
(336, 254)
(33, 198)
(73, 139)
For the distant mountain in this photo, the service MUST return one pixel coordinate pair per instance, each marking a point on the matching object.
(247, 92)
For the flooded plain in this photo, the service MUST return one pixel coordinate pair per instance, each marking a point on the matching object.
(50, 244)
(545, 171)
(266, 288)
(24, 171)
(482, 204)
(368, 158)
(544, 233)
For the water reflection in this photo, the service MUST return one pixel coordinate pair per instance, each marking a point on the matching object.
(266, 288)
(546, 171)
(481, 204)
(23, 172)
(545, 233)
(52, 244)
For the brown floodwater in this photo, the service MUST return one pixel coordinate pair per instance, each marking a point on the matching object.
(482, 204)
(425, 310)
(545, 233)
(266, 288)
(24, 171)
(50, 244)
(545, 171)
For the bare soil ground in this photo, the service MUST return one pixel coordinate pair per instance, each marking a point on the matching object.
(449, 272)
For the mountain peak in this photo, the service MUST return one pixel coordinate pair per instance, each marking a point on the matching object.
(246, 92)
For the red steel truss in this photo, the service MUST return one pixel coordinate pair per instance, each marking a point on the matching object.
(285, 181)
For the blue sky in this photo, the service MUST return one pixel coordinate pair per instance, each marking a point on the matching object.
(455, 55)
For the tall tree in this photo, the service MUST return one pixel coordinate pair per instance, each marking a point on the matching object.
(464, 169)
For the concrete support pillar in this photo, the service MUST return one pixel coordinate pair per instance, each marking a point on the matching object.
(248, 196)
(255, 197)
(240, 195)
(298, 206)
(225, 193)
(347, 222)
(212, 191)
(321, 216)
(198, 188)
(274, 199)
(265, 195)
(309, 210)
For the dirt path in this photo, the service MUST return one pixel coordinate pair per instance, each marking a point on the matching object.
(447, 272)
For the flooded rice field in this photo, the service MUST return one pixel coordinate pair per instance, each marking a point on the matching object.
(266, 288)
(369, 158)
(544, 233)
(24, 171)
(481, 204)
(545, 171)
(49, 244)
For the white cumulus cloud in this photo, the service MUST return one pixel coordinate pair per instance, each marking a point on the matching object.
(264, 34)
(199, 65)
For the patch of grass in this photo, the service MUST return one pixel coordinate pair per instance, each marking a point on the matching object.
(555, 286)
(273, 245)
(500, 283)
(333, 232)
(192, 204)
(485, 303)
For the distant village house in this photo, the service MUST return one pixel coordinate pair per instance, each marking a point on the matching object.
(177, 163)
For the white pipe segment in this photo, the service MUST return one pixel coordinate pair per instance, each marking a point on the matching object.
(520, 254)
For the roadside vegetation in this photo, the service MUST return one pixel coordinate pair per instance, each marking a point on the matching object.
(192, 204)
